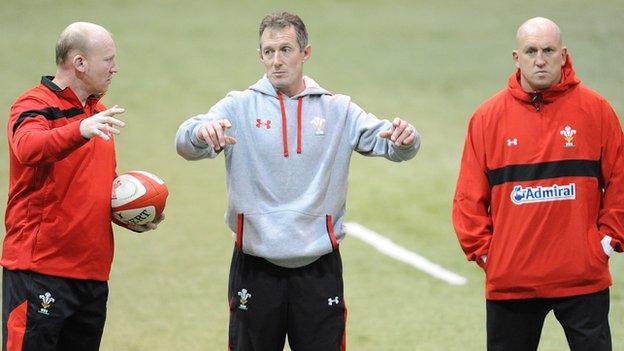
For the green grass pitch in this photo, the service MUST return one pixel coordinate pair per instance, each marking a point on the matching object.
(429, 62)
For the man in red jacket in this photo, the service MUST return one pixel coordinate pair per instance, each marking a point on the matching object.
(58, 247)
(539, 203)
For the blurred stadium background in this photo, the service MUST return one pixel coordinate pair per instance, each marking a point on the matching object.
(431, 62)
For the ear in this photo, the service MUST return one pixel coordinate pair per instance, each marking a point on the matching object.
(306, 52)
(516, 58)
(260, 55)
(80, 63)
(564, 55)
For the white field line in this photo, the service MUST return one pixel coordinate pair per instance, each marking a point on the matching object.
(387, 247)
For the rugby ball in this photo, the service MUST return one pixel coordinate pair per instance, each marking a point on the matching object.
(138, 197)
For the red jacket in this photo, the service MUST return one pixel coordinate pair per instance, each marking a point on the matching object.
(58, 215)
(541, 190)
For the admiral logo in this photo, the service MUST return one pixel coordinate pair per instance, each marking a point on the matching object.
(520, 195)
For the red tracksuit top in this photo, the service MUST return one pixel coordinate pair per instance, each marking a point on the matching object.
(58, 215)
(540, 191)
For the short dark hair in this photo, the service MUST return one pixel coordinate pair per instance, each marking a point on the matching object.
(283, 20)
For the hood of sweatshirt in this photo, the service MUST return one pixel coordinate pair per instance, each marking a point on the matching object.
(568, 81)
(265, 87)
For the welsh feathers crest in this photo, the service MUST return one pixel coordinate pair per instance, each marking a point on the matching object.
(568, 134)
(319, 125)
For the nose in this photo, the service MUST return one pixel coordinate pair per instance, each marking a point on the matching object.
(115, 67)
(277, 59)
(539, 60)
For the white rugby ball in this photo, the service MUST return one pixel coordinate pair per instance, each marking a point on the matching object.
(138, 197)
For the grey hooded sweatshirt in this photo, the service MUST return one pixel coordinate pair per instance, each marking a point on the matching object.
(287, 174)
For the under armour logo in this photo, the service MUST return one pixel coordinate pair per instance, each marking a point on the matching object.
(333, 301)
(259, 123)
(512, 142)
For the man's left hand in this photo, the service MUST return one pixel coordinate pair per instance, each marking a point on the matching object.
(144, 227)
(401, 133)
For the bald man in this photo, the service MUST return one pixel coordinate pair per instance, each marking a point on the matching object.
(58, 247)
(539, 203)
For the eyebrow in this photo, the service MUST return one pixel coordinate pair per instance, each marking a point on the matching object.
(279, 46)
(535, 46)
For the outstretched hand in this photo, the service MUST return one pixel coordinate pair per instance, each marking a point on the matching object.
(102, 125)
(213, 133)
(401, 133)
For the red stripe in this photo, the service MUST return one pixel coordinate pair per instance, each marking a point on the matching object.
(299, 105)
(16, 327)
(230, 323)
(239, 231)
(343, 346)
(330, 231)
(284, 125)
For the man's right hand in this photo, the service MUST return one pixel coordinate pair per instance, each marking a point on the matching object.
(102, 124)
(213, 133)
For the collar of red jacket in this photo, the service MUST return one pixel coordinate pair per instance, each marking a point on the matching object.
(67, 93)
(568, 81)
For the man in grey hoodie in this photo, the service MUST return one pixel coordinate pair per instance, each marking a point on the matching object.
(287, 151)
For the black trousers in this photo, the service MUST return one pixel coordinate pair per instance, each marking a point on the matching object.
(268, 302)
(45, 313)
(516, 325)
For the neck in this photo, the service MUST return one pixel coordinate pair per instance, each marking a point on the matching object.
(527, 87)
(66, 80)
(294, 89)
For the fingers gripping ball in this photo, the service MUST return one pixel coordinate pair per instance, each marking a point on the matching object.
(138, 197)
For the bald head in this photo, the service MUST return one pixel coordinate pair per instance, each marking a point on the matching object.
(78, 37)
(539, 54)
(538, 27)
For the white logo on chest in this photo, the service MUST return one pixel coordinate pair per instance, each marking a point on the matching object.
(319, 125)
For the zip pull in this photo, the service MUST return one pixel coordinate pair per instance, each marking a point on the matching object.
(536, 100)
